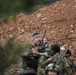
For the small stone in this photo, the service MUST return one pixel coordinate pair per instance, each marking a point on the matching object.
(44, 18)
(62, 48)
(18, 28)
(10, 35)
(26, 27)
(22, 30)
(45, 25)
(30, 21)
(38, 15)
(55, 5)
(63, 4)
(11, 28)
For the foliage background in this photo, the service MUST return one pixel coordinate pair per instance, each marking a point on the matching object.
(10, 53)
(10, 8)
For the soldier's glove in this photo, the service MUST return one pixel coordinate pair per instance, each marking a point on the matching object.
(34, 51)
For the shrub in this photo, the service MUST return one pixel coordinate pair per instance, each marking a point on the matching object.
(10, 53)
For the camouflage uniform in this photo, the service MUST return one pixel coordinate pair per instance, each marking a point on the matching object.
(22, 71)
(41, 69)
(43, 48)
(70, 66)
(60, 61)
(63, 61)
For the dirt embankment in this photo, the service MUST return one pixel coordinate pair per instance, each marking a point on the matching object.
(59, 19)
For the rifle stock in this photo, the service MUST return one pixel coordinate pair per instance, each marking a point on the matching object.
(67, 55)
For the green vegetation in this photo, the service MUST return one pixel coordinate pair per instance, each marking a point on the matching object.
(10, 8)
(10, 53)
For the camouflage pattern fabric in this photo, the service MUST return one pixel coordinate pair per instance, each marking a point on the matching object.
(60, 61)
(22, 72)
(41, 69)
(43, 48)
(40, 48)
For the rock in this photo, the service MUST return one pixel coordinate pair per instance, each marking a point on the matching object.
(38, 15)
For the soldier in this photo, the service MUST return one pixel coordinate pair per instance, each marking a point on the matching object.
(62, 60)
(54, 52)
(41, 44)
(39, 48)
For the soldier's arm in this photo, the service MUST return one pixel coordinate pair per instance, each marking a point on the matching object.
(43, 54)
(55, 57)
(34, 51)
(48, 60)
(42, 64)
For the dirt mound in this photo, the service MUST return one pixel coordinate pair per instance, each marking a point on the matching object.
(59, 19)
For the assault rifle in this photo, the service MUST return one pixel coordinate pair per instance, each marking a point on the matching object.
(43, 37)
(42, 41)
(67, 54)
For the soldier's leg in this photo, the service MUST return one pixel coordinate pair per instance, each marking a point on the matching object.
(22, 71)
(24, 64)
(40, 71)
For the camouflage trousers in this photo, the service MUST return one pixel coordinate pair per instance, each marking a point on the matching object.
(40, 71)
(22, 71)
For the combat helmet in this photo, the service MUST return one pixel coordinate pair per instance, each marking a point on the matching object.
(52, 67)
